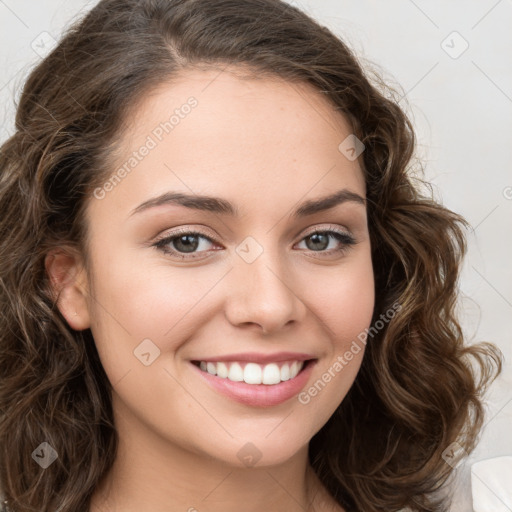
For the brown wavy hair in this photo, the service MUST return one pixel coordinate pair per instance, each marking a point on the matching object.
(419, 387)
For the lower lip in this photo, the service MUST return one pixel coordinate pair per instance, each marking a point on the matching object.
(259, 395)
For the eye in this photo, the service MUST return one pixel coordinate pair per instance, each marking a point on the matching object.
(319, 240)
(186, 244)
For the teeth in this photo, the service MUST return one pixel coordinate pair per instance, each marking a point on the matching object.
(285, 372)
(253, 373)
(222, 370)
(236, 373)
(271, 374)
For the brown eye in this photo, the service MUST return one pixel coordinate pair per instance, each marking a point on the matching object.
(186, 242)
(319, 241)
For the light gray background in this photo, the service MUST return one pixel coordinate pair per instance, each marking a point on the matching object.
(462, 110)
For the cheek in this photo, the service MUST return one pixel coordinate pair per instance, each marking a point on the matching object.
(137, 300)
(347, 304)
(149, 299)
(345, 301)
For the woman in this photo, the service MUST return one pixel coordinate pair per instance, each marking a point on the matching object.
(220, 286)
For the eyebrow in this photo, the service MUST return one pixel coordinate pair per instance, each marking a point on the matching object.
(221, 206)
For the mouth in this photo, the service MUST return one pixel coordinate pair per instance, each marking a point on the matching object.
(256, 384)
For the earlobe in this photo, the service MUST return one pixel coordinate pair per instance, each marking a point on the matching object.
(69, 287)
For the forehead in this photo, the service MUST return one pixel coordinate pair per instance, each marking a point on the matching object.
(225, 133)
(237, 105)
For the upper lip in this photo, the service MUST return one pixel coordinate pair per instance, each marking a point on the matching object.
(255, 357)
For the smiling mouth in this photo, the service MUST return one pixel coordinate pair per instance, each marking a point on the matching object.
(254, 373)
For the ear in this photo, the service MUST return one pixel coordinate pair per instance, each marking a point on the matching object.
(69, 286)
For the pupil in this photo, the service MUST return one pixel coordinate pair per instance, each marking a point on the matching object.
(315, 238)
(189, 247)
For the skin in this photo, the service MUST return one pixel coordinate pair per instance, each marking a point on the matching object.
(265, 145)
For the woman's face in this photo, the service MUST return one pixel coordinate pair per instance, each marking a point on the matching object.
(253, 293)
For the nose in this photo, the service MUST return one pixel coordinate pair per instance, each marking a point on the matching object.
(261, 294)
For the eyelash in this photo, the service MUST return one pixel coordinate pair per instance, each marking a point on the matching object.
(344, 238)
